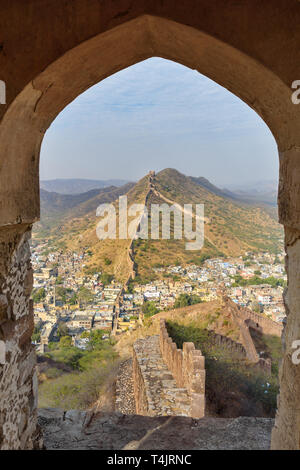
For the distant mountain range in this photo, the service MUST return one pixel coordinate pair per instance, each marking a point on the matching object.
(77, 185)
(259, 186)
(56, 207)
(233, 225)
(264, 192)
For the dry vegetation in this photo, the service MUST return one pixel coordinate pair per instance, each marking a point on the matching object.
(231, 228)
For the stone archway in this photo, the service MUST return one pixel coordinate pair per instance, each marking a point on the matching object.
(230, 44)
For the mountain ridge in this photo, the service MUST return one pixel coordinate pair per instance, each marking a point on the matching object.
(232, 227)
(78, 185)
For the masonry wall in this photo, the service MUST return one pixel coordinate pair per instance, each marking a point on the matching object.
(139, 387)
(268, 326)
(233, 347)
(18, 379)
(188, 368)
(246, 319)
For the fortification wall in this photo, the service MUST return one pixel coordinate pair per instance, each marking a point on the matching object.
(247, 319)
(139, 387)
(268, 326)
(155, 390)
(188, 368)
(233, 347)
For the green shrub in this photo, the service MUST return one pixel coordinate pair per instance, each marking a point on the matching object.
(92, 369)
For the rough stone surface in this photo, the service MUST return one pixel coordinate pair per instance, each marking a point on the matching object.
(114, 431)
(187, 367)
(125, 402)
(286, 434)
(156, 391)
(18, 384)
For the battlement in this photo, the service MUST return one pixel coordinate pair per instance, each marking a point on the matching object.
(167, 380)
(188, 368)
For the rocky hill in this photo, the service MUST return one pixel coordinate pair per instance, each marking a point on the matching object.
(57, 207)
(232, 227)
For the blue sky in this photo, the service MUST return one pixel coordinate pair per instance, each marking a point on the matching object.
(154, 115)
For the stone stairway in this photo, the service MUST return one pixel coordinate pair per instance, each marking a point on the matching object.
(162, 395)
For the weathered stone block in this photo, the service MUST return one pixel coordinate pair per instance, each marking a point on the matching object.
(2, 352)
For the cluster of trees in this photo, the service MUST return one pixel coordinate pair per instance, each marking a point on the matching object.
(106, 278)
(199, 260)
(36, 335)
(184, 300)
(66, 295)
(149, 308)
(38, 295)
(256, 280)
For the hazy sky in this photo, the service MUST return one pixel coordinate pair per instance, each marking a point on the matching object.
(154, 115)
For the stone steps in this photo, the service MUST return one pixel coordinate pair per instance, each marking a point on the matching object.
(163, 395)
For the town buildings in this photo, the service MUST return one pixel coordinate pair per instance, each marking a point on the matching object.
(64, 295)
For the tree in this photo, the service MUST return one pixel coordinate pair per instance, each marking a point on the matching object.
(85, 334)
(36, 335)
(65, 341)
(256, 280)
(61, 293)
(96, 340)
(38, 295)
(59, 280)
(255, 306)
(184, 300)
(106, 278)
(130, 288)
(62, 330)
(84, 295)
(149, 308)
(73, 300)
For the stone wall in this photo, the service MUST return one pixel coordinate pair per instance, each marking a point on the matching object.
(188, 368)
(268, 326)
(246, 319)
(139, 386)
(18, 379)
(156, 391)
(235, 348)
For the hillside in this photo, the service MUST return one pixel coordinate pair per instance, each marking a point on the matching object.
(262, 192)
(56, 207)
(77, 185)
(231, 226)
